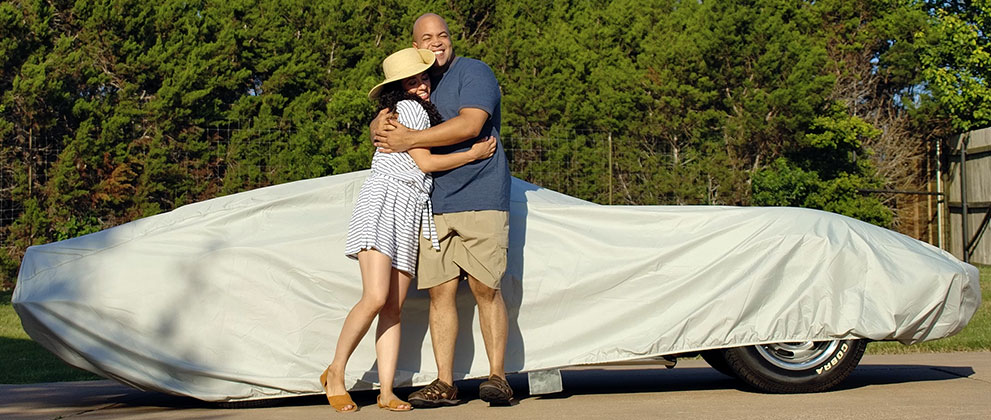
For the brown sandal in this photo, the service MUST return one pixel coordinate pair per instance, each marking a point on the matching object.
(338, 401)
(394, 404)
(496, 391)
(436, 394)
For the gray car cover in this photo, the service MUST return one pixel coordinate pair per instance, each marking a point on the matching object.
(242, 297)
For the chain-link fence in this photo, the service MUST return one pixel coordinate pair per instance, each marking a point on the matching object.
(598, 166)
(579, 164)
(53, 189)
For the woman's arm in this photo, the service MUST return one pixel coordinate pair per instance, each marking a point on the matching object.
(429, 162)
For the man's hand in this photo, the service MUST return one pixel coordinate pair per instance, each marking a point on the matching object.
(381, 122)
(392, 136)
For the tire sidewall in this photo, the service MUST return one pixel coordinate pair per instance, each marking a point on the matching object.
(757, 371)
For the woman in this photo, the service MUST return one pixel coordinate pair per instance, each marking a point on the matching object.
(393, 207)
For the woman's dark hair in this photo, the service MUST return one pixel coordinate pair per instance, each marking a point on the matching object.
(393, 92)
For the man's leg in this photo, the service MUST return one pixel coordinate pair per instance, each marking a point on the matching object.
(444, 327)
(495, 329)
(485, 236)
(435, 266)
(494, 324)
(443, 321)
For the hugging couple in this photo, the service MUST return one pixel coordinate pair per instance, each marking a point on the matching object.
(435, 206)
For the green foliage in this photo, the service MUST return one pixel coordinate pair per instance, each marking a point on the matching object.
(785, 184)
(822, 171)
(115, 110)
(956, 62)
(832, 144)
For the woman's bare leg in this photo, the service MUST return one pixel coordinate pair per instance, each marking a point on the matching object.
(387, 333)
(376, 269)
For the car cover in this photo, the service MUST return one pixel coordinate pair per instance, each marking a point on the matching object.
(242, 297)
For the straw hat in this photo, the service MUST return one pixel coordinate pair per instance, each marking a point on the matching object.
(402, 64)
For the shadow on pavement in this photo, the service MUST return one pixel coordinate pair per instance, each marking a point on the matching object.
(612, 381)
(868, 375)
(582, 381)
(627, 381)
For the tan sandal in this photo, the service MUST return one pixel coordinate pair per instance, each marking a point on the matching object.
(394, 405)
(339, 402)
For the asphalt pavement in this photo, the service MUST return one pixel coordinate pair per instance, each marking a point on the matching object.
(914, 386)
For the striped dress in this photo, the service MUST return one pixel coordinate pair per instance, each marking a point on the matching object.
(393, 205)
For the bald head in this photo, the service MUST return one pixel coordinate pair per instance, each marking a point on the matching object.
(430, 32)
(427, 17)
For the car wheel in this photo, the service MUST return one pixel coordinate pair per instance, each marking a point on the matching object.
(716, 359)
(795, 367)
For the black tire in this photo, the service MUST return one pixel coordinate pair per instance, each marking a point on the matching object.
(787, 368)
(716, 359)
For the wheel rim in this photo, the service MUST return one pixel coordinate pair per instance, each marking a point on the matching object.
(797, 356)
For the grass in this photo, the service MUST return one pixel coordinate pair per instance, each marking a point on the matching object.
(976, 336)
(25, 361)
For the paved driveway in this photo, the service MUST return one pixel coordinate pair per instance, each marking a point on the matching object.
(921, 386)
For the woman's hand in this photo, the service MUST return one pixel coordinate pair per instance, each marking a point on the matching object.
(483, 149)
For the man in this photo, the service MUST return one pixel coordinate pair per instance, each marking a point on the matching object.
(471, 212)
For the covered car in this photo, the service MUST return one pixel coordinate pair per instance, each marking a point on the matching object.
(242, 297)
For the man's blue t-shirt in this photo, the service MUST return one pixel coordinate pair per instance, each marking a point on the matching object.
(483, 184)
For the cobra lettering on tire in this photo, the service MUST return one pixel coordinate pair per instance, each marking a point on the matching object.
(795, 367)
(835, 360)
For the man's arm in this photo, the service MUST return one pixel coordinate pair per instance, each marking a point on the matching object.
(468, 124)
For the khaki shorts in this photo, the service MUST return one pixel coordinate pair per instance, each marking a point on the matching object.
(473, 241)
